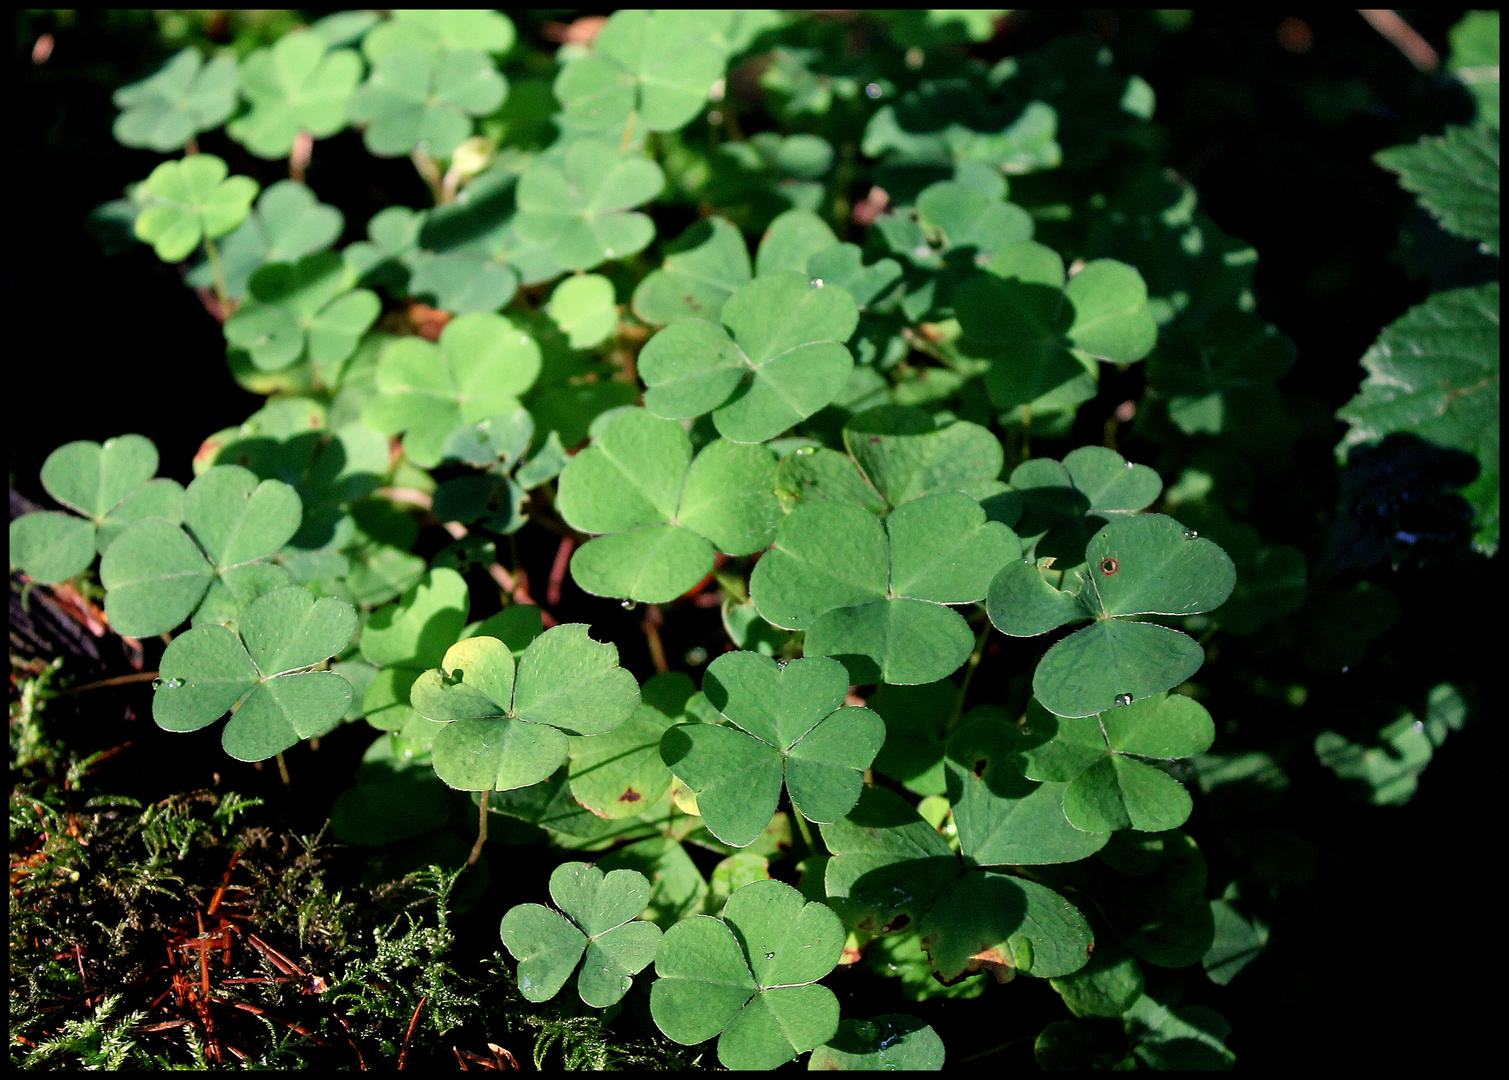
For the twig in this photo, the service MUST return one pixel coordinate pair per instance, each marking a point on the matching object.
(1403, 37)
(408, 1037)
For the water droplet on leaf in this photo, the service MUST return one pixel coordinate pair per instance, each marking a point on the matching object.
(803, 451)
(873, 91)
(1418, 725)
(1190, 534)
(628, 605)
(816, 283)
(1123, 699)
(770, 956)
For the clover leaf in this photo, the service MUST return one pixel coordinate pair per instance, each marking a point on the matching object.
(1064, 504)
(157, 574)
(259, 673)
(298, 84)
(186, 96)
(406, 638)
(895, 454)
(1097, 756)
(440, 30)
(889, 1042)
(658, 65)
(663, 512)
(111, 485)
(577, 201)
(703, 267)
(415, 98)
(778, 357)
(480, 366)
(1143, 565)
(783, 724)
(188, 200)
(583, 307)
(1043, 334)
(748, 977)
(287, 223)
(504, 732)
(620, 773)
(303, 309)
(599, 924)
(875, 595)
(890, 869)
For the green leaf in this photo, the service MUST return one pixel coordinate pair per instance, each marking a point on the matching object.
(167, 109)
(480, 366)
(306, 309)
(1475, 61)
(598, 929)
(619, 774)
(892, 1041)
(873, 594)
(905, 453)
(1108, 985)
(287, 223)
(747, 977)
(440, 30)
(257, 673)
(582, 305)
(578, 203)
(295, 85)
(502, 733)
(1456, 176)
(406, 638)
(778, 358)
(788, 723)
(414, 98)
(51, 547)
(657, 65)
(187, 200)
(664, 513)
(703, 267)
(1434, 372)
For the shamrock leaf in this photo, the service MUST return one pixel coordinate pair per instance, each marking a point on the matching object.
(576, 202)
(190, 199)
(620, 773)
(664, 513)
(302, 309)
(478, 369)
(407, 638)
(784, 724)
(778, 357)
(583, 306)
(703, 267)
(167, 109)
(1064, 504)
(258, 673)
(440, 30)
(890, 1042)
(156, 574)
(1097, 756)
(415, 98)
(1143, 565)
(890, 869)
(111, 485)
(502, 732)
(658, 65)
(874, 595)
(1043, 334)
(747, 977)
(895, 454)
(598, 924)
(287, 223)
(298, 84)
(1220, 378)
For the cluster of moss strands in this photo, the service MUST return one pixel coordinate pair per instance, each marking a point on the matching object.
(195, 932)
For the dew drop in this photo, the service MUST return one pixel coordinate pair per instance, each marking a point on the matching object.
(1418, 725)
(696, 656)
(1123, 699)
(816, 283)
(174, 684)
(782, 663)
(803, 451)
(156, 684)
(770, 956)
(873, 91)
(628, 605)
(1190, 534)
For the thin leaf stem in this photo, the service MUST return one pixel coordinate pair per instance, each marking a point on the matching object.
(971, 666)
(213, 254)
(429, 171)
(806, 831)
(481, 829)
(118, 680)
